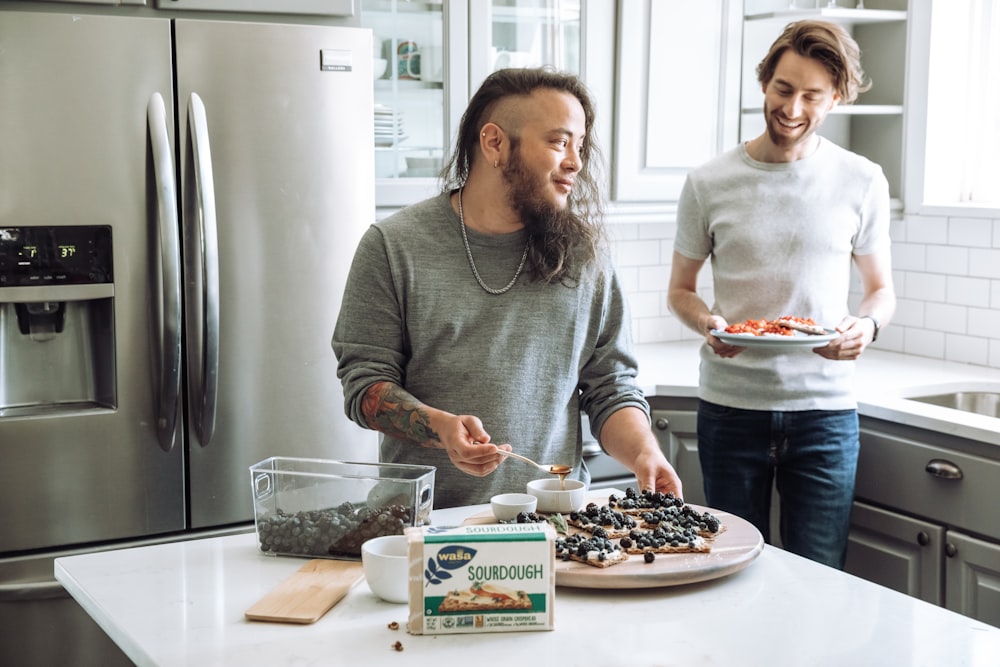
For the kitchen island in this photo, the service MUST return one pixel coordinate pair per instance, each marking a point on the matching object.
(182, 604)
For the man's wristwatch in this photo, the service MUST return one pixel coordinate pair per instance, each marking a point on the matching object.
(875, 322)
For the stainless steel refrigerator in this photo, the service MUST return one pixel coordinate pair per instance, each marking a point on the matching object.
(179, 205)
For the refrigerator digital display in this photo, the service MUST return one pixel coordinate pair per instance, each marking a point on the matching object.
(74, 255)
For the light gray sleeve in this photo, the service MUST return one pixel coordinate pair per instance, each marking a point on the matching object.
(875, 216)
(692, 239)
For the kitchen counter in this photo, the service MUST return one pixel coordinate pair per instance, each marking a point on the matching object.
(182, 604)
(884, 380)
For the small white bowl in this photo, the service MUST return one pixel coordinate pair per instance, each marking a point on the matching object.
(506, 506)
(378, 67)
(552, 497)
(386, 562)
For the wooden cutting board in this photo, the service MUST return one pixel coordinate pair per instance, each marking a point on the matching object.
(309, 593)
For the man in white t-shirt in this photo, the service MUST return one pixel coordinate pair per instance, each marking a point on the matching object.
(783, 217)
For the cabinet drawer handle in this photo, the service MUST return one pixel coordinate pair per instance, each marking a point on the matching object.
(943, 469)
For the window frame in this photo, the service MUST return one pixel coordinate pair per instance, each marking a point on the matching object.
(939, 164)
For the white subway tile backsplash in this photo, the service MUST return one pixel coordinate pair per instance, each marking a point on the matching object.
(629, 275)
(646, 304)
(946, 317)
(971, 232)
(968, 291)
(657, 230)
(924, 343)
(657, 329)
(984, 263)
(925, 229)
(909, 312)
(653, 278)
(948, 259)
(637, 253)
(995, 294)
(967, 349)
(623, 232)
(909, 256)
(923, 286)
(984, 321)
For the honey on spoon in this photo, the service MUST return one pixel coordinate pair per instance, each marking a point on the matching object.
(560, 470)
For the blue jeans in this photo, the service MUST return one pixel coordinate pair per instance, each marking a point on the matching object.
(811, 457)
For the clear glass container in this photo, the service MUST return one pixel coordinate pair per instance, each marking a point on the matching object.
(326, 509)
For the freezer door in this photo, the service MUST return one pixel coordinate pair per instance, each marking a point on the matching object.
(76, 151)
(276, 137)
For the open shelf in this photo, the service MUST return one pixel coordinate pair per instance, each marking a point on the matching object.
(845, 15)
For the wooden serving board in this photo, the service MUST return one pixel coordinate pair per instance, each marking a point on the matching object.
(309, 593)
(733, 550)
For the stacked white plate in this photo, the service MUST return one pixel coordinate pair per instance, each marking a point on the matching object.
(388, 126)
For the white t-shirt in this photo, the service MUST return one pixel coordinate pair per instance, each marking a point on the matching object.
(780, 237)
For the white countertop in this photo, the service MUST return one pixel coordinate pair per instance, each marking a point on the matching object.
(182, 603)
(883, 381)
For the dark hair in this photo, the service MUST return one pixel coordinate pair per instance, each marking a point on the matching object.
(826, 42)
(559, 253)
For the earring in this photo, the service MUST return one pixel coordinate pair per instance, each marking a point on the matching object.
(495, 162)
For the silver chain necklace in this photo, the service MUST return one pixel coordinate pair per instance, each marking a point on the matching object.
(472, 262)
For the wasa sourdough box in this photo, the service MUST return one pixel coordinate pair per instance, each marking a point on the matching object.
(481, 578)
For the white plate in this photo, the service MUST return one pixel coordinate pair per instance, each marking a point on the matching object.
(797, 339)
(732, 550)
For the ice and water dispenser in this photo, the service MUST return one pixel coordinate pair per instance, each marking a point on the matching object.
(57, 329)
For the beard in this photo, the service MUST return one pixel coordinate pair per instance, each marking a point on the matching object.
(538, 214)
(783, 140)
(560, 242)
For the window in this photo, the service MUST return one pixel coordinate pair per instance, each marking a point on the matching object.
(962, 159)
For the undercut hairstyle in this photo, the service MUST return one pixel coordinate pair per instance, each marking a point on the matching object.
(826, 42)
(572, 240)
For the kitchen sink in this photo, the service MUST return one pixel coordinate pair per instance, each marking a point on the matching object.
(979, 402)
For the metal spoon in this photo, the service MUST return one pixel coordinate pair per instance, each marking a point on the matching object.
(560, 470)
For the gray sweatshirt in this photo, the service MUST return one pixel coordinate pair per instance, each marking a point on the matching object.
(525, 362)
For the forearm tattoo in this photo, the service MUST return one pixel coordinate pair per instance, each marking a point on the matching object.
(394, 411)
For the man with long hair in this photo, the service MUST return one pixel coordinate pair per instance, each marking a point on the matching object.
(783, 217)
(490, 315)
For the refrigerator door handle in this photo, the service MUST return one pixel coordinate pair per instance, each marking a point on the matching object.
(207, 235)
(168, 333)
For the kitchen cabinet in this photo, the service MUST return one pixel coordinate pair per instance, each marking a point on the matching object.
(420, 91)
(873, 125)
(925, 520)
(436, 55)
(675, 424)
(676, 93)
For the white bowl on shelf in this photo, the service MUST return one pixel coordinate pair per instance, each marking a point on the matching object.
(378, 67)
(420, 165)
